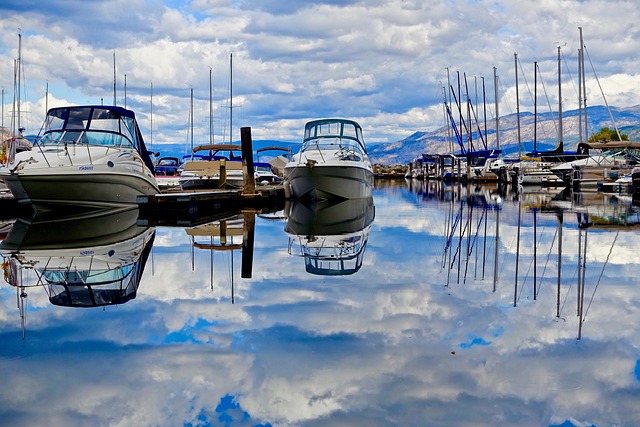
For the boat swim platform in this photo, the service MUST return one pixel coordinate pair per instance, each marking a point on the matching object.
(201, 206)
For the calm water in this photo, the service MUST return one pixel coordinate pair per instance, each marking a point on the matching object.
(432, 329)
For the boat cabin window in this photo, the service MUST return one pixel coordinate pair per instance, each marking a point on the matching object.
(78, 118)
(350, 131)
(89, 125)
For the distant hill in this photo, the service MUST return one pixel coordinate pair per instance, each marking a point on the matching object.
(179, 150)
(402, 152)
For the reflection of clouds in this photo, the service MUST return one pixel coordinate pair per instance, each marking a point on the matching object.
(391, 344)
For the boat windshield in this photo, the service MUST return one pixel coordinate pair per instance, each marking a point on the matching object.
(333, 259)
(334, 132)
(92, 288)
(89, 125)
(81, 277)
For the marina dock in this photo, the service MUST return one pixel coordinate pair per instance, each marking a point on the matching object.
(189, 208)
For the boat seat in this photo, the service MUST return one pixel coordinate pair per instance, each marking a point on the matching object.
(203, 166)
(210, 167)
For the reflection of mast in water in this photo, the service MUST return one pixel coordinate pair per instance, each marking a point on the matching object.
(221, 234)
(583, 224)
(470, 231)
(495, 259)
(515, 293)
(560, 217)
(13, 276)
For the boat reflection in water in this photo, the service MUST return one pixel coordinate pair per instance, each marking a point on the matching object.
(332, 236)
(82, 259)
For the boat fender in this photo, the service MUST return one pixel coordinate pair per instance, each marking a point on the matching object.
(10, 273)
(287, 189)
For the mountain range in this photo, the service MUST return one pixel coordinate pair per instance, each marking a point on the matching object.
(438, 141)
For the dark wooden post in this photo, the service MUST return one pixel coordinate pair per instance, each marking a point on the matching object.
(248, 233)
(249, 187)
(223, 173)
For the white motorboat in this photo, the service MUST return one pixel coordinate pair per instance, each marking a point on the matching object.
(264, 173)
(331, 235)
(332, 163)
(84, 155)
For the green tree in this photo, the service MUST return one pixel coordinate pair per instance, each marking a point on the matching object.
(606, 135)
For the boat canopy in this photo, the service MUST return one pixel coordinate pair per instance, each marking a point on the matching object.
(334, 128)
(217, 147)
(94, 125)
(585, 147)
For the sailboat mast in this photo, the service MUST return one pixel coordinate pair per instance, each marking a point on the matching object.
(580, 139)
(114, 79)
(495, 84)
(125, 91)
(210, 107)
(584, 87)
(484, 107)
(449, 103)
(151, 118)
(19, 68)
(470, 129)
(191, 119)
(560, 136)
(535, 106)
(515, 55)
(231, 98)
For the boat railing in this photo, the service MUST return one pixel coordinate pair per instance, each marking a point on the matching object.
(68, 139)
(346, 149)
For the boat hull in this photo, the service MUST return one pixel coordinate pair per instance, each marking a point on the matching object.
(322, 182)
(99, 189)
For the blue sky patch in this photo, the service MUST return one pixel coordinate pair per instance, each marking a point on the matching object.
(474, 342)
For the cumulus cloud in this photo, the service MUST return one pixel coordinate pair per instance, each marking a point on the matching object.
(378, 61)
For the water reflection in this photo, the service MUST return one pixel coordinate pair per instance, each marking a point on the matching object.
(87, 258)
(520, 307)
(331, 236)
(533, 256)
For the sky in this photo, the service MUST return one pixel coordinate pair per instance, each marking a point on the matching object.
(382, 63)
